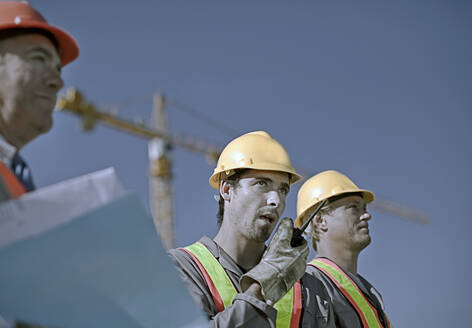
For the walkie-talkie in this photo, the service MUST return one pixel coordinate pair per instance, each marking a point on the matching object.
(297, 237)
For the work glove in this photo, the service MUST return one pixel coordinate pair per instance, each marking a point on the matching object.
(280, 267)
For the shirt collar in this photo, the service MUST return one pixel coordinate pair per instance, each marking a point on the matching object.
(7, 151)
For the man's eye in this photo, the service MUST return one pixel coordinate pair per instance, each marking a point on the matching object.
(39, 58)
(261, 183)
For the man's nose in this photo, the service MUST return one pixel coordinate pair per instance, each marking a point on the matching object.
(54, 80)
(366, 216)
(274, 199)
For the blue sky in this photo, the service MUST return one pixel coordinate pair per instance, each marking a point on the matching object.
(378, 90)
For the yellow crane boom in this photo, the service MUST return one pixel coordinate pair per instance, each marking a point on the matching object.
(74, 102)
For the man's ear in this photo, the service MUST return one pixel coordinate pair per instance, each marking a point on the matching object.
(225, 190)
(320, 222)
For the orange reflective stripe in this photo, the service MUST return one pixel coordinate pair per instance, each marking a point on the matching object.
(297, 305)
(367, 313)
(224, 288)
(389, 325)
(215, 295)
(223, 291)
(14, 186)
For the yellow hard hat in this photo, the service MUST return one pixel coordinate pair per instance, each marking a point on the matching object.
(322, 186)
(255, 150)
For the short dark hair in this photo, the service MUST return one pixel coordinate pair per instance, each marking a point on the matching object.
(12, 32)
(234, 181)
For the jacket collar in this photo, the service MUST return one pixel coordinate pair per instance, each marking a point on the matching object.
(225, 260)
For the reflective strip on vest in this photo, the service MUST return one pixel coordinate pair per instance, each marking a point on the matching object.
(223, 291)
(14, 186)
(217, 275)
(367, 313)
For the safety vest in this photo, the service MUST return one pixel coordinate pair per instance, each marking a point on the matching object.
(14, 187)
(223, 292)
(366, 311)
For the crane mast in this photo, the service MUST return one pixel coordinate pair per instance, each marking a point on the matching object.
(160, 176)
(160, 164)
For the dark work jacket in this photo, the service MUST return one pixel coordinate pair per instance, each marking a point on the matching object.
(247, 310)
(345, 315)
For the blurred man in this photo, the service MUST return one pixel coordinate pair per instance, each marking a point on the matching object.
(235, 278)
(32, 54)
(339, 232)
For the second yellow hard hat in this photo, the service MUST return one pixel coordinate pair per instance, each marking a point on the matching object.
(322, 186)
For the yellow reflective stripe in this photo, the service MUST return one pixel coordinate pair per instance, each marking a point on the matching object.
(284, 308)
(355, 294)
(216, 272)
(226, 289)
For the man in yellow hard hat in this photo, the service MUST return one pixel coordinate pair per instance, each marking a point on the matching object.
(339, 232)
(236, 279)
(32, 54)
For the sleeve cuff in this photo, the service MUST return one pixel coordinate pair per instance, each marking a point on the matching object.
(270, 311)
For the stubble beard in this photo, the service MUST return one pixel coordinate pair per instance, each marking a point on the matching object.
(258, 233)
(36, 119)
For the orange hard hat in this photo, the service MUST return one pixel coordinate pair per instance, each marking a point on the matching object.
(16, 15)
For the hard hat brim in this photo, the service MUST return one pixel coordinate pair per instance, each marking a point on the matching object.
(367, 196)
(215, 179)
(69, 49)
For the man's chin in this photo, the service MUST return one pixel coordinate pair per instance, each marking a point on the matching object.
(261, 236)
(364, 242)
(42, 127)
(46, 128)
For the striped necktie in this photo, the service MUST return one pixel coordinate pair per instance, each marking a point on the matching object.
(22, 172)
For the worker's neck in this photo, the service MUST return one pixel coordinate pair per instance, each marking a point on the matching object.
(246, 253)
(344, 257)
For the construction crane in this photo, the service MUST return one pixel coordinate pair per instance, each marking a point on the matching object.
(160, 173)
(160, 176)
